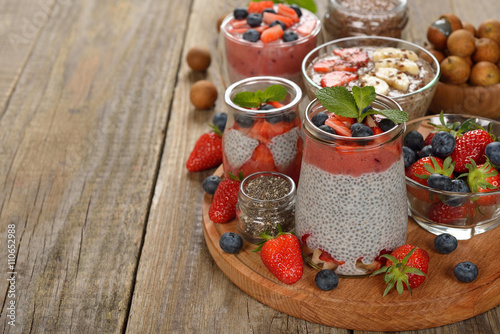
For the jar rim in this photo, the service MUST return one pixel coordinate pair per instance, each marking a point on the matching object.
(271, 80)
(328, 138)
(289, 195)
(399, 8)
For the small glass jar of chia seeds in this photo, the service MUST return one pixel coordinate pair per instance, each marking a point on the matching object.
(346, 18)
(265, 200)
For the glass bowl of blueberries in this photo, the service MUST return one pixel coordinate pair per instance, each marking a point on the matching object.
(452, 179)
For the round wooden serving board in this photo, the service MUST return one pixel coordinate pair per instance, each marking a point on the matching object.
(357, 303)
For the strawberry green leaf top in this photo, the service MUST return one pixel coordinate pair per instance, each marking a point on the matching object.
(340, 101)
(255, 99)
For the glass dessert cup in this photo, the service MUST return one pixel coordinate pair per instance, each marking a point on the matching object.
(263, 140)
(346, 18)
(243, 59)
(415, 103)
(256, 216)
(421, 199)
(351, 199)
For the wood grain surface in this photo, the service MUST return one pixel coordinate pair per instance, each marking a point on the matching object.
(95, 129)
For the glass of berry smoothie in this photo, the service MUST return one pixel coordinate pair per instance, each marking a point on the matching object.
(267, 39)
(263, 127)
(351, 198)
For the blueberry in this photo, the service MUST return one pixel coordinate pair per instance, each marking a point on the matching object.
(230, 242)
(443, 143)
(328, 129)
(386, 124)
(240, 13)
(361, 130)
(266, 107)
(243, 120)
(492, 151)
(254, 20)
(290, 36)
(274, 119)
(445, 243)
(466, 271)
(289, 117)
(220, 120)
(278, 22)
(319, 119)
(414, 140)
(297, 10)
(251, 35)
(440, 182)
(326, 280)
(409, 155)
(366, 109)
(269, 10)
(459, 186)
(426, 151)
(211, 183)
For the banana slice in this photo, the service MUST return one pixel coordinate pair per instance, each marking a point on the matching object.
(394, 78)
(381, 87)
(402, 64)
(394, 53)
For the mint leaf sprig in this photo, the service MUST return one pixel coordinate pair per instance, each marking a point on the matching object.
(355, 105)
(254, 100)
(310, 5)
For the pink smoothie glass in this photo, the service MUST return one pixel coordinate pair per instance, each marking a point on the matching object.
(351, 198)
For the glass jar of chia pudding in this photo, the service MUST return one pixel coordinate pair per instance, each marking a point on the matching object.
(267, 138)
(346, 18)
(351, 198)
(242, 58)
(265, 199)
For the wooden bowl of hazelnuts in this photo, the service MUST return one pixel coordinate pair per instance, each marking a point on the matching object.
(470, 66)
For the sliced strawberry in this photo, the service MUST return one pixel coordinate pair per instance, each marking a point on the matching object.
(306, 28)
(376, 130)
(339, 127)
(288, 12)
(240, 31)
(346, 52)
(268, 18)
(258, 7)
(324, 66)
(264, 131)
(326, 257)
(261, 160)
(337, 78)
(275, 104)
(347, 66)
(239, 23)
(346, 120)
(261, 28)
(272, 34)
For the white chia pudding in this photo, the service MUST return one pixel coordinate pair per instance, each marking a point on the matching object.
(352, 217)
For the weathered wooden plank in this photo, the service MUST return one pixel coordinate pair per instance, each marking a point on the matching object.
(80, 141)
(20, 25)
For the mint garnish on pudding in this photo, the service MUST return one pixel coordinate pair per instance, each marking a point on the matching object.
(273, 93)
(341, 102)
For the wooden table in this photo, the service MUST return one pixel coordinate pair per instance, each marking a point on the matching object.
(95, 129)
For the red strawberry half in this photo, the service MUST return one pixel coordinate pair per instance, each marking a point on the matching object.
(471, 144)
(337, 78)
(483, 178)
(406, 268)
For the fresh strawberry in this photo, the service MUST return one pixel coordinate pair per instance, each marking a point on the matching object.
(239, 23)
(288, 12)
(346, 120)
(269, 18)
(261, 160)
(346, 52)
(482, 179)
(470, 145)
(272, 34)
(340, 128)
(275, 104)
(282, 256)
(207, 152)
(422, 169)
(406, 268)
(337, 78)
(223, 207)
(354, 55)
(334, 65)
(443, 213)
(258, 7)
